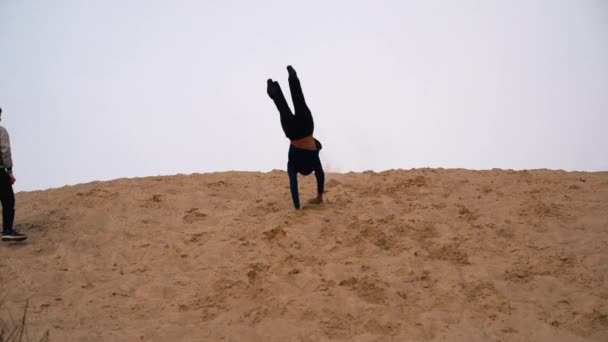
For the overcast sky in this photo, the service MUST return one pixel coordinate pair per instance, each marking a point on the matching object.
(97, 90)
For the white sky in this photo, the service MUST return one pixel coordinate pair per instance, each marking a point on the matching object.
(96, 90)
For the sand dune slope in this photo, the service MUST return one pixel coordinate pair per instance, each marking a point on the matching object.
(427, 254)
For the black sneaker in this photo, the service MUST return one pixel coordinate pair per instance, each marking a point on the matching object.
(12, 235)
(273, 88)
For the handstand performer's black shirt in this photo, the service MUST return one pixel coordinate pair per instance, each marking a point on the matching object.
(305, 162)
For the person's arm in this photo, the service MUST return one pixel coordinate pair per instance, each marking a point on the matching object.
(5, 150)
(5, 153)
(320, 180)
(320, 175)
(293, 185)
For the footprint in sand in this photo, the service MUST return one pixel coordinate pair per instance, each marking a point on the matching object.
(366, 288)
(256, 315)
(337, 326)
(193, 215)
(199, 238)
(274, 233)
(153, 202)
(450, 252)
(486, 189)
(95, 198)
(98, 193)
(255, 270)
(466, 214)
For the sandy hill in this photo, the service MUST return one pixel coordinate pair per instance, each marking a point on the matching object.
(426, 254)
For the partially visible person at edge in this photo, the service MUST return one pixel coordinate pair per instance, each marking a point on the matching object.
(7, 196)
(304, 149)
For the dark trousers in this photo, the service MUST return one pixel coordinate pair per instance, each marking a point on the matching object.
(7, 197)
(301, 124)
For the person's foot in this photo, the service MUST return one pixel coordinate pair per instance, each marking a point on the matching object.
(12, 235)
(291, 71)
(273, 89)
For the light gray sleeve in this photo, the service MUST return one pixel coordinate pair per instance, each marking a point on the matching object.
(5, 149)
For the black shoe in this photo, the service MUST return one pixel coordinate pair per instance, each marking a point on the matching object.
(291, 71)
(273, 88)
(12, 235)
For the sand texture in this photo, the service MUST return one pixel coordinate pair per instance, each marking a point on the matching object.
(417, 255)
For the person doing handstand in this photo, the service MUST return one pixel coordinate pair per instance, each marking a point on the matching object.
(304, 149)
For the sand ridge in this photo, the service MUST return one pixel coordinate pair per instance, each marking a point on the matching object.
(423, 254)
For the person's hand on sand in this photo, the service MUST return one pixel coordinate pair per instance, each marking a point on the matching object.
(316, 200)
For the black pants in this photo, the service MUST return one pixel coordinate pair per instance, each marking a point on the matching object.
(296, 126)
(7, 197)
